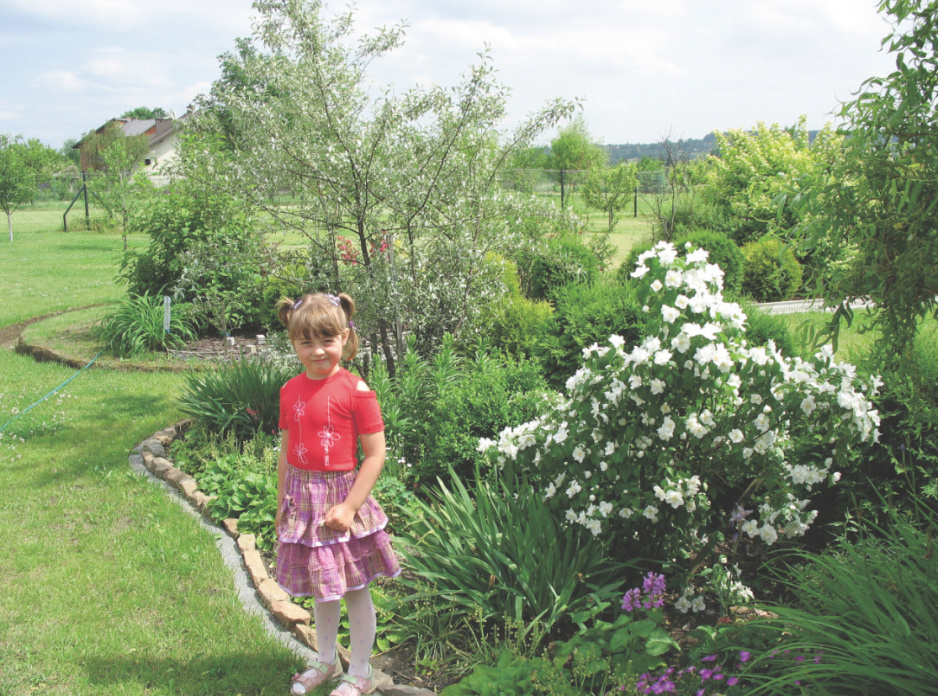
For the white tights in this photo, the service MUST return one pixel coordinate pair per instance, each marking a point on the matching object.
(362, 625)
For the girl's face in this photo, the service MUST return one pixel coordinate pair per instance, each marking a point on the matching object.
(320, 356)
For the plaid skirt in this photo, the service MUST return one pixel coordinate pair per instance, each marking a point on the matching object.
(315, 561)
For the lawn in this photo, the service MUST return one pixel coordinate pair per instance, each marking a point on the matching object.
(108, 586)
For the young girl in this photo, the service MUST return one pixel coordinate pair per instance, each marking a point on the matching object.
(330, 531)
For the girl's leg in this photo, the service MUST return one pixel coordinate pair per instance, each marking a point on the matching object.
(326, 615)
(362, 625)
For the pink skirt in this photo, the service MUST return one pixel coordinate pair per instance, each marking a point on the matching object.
(315, 561)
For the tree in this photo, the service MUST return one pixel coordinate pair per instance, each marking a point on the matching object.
(574, 149)
(610, 189)
(398, 194)
(143, 112)
(23, 165)
(878, 199)
(116, 186)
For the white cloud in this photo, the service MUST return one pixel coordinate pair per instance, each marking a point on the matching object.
(63, 80)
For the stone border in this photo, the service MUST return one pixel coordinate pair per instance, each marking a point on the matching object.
(150, 455)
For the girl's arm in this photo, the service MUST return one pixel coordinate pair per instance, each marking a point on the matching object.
(281, 476)
(340, 517)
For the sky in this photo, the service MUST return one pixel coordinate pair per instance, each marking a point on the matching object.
(642, 69)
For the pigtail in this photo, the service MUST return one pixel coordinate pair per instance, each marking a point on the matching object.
(348, 306)
(284, 309)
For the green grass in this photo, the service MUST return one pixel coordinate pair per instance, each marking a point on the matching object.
(108, 586)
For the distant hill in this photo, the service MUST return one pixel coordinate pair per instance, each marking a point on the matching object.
(693, 148)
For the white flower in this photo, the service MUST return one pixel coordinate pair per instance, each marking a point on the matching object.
(682, 605)
(573, 489)
(610, 448)
(681, 342)
(657, 386)
(808, 405)
(749, 527)
(698, 256)
(698, 604)
(640, 271)
(762, 422)
(605, 508)
(656, 286)
(736, 435)
(550, 491)
(635, 381)
(626, 513)
(670, 313)
(595, 526)
(579, 453)
(603, 466)
(674, 499)
(662, 357)
(651, 512)
(681, 302)
(756, 399)
(666, 431)
(673, 278)
(616, 341)
(768, 534)
(561, 433)
(485, 443)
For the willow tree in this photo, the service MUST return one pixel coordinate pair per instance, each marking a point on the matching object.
(397, 192)
(879, 198)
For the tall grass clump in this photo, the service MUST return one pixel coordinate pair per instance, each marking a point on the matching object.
(136, 326)
(866, 614)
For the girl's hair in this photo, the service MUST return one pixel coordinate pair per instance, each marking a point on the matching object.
(320, 316)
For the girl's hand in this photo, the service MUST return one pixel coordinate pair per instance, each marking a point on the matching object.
(340, 517)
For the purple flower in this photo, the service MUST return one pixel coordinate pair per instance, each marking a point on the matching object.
(706, 674)
(701, 692)
(732, 681)
(709, 658)
(631, 600)
(739, 514)
(744, 656)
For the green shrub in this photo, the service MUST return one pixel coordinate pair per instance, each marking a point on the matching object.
(584, 316)
(516, 320)
(558, 262)
(136, 326)
(436, 410)
(500, 555)
(243, 398)
(723, 252)
(772, 273)
(200, 240)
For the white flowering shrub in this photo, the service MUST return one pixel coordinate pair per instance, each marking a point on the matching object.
(694, 431)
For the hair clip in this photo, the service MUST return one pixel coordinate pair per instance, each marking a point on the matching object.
(351, 324)
(296, 305)
(333, 299)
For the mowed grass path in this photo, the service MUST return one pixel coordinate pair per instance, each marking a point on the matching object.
(106, 585)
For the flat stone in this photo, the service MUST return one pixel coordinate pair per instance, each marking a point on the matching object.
(159, 466)
(289, 613)
(246, 542)
(163, 439)
(305, 635)
(174, 475)
(255, 565)
(231, 526)
(200, 500)
(403, 690)
(136, 460)
(188, 486)
(154, 447)
(271, 592)
(147, 458)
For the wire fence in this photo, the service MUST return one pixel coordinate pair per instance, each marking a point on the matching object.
(64, 203)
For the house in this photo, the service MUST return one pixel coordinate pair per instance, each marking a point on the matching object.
(163, 134)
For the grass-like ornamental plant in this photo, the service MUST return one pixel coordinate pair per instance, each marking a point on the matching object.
(243, 398)
(866, 620)
(694, 432)
(500, 553)
(136, 326)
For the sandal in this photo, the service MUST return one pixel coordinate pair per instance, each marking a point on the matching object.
(353, 685)
(324, 672)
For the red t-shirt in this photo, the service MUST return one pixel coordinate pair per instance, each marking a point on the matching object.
(323, 419)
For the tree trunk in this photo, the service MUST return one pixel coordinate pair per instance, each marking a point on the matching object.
(10, 224)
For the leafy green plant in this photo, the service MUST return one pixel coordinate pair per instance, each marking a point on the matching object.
(244, 488)
(243, 398)
(503, 554)
(771, 272)
(512, 675)
(136, 326)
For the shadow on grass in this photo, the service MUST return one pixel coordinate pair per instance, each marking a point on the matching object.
(234, 673)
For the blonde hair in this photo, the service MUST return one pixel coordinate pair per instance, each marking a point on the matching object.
(320, 316)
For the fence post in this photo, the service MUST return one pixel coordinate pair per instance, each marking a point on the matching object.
(561, 188)
(84, 181)
(636, 202)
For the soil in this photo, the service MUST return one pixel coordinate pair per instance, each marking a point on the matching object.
(214, 348)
